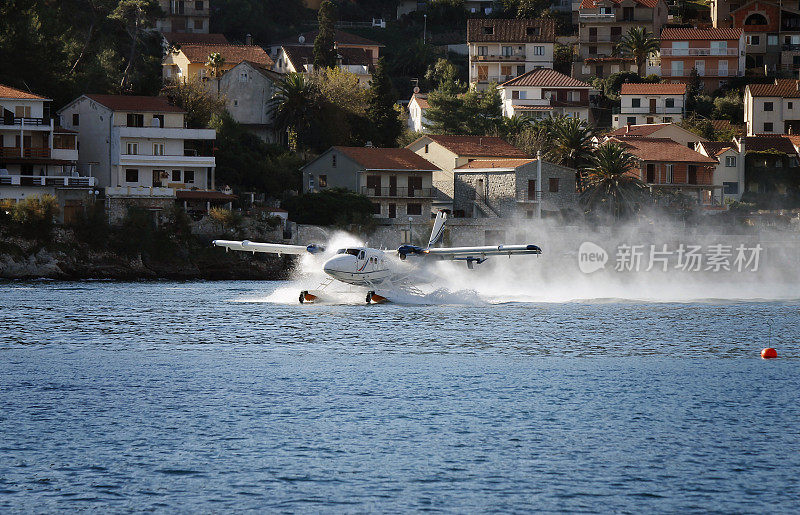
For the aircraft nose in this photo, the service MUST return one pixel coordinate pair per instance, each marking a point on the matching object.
(339, 264)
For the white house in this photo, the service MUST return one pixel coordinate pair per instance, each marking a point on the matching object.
(500, 50)
(139, 148)
(772, 108)
(300, 59)
(729, 173)
(542, 92)
(417, 107)
(650, 103)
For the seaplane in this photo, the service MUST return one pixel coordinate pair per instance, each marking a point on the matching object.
(378, 270)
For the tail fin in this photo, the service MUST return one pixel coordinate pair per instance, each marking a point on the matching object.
(438, 229)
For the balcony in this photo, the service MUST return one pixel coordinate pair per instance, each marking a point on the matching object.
(790, 47)
(189, 158)
(47, 180)
(32, 152)
(708, 72)
(699, 51)
(500, 58)
(601, 38)
(647, 110)
(597, 17)
(25, 120)
(398, 192)
(163, 133)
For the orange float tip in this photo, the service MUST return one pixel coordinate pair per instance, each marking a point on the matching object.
(769, 353)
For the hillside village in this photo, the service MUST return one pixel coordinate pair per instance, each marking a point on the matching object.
(373, 116)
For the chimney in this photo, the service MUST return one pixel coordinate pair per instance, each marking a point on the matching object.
(248, 39)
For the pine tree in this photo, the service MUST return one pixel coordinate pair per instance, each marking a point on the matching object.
(380, 111)
(324, 51)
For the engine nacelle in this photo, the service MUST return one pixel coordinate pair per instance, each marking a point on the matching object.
(405, 250)
(315, 249)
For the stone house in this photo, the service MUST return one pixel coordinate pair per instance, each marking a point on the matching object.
(449, 152)
(500, 50)
(508, 188)
(396, 180)
(248, 89)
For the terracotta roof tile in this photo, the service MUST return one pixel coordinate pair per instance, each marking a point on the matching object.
(785, 88)
(609, 60)
(511, 31)
(233, 54)
(764, 142)
(422, 100)
(135, 103)
(546, 78)
(477, 146)
(340, 38)
(684, 34)
(715, 148)
(639, 130)
(653, 89)
(190, 38)
(373, 158)
(591, 4)
(726, 125)
(495, 163)
(9, 92)
(302, 55)
(663, 150)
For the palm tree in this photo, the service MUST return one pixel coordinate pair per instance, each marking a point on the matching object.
(640, 45)
(572, 143)
(294, 105)
(512, 127)
(610, 187)
(216, 62)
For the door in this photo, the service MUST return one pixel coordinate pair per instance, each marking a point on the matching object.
(652, 105)
(531, 189)
(701, 68)
(374, 185)
(483, 73)
(157, 178)
(393, 186)
(651, 173)
(414, 186)
(616, 34)
(392, 210)
(592, 34)
(692, 174)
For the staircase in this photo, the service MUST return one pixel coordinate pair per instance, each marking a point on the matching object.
(486, 209)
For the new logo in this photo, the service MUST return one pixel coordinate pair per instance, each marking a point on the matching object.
(591, 257)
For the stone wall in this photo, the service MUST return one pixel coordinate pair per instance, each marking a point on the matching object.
(117, 207)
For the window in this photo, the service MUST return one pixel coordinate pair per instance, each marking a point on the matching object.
(768, 127)
(670, 173)
(133, 149)
(553, 185)
(680, 48)
(767, 106)
(176, 176)
(772, 40)
(235, 103)
(631, 120)
(131, 175)
(22, 111)
(505, 69)
(426, 148)
(531, 31)
(667, 119)
(677, 69)
(76, 119)
(730, 188)
(333, 161)
(243, 77)
(483, 50)
(158, 120)
(753, 40)
(376, 208)
(592, 50)
(730, 161)
(188, 176)
(198, 24)
(198, 5)
(414, 209)
(789, 105)
(606, 10)
(636, 102)
(158, 149)
(488, 30)
(506, 51)
(669, 102)
(135, 120)
(719, 47)
(323, 181)
(519, 94)
(538, 50)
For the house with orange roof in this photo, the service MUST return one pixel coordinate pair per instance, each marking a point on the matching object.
(37, 155)
(510, 188)
(417, 107)
(189, 60)
(300, 59)
(650, 103)
(717, 55)
(449, 152)
(140, 149)
(667, 166)
(601, 26)
(657, 130)
(396, 180)
(501, 49)
(545, 92)
(772, 108)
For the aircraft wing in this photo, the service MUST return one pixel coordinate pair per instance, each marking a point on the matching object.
(271, 248)
(481, 252)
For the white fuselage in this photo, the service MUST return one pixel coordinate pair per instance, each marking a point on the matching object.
(359, 266)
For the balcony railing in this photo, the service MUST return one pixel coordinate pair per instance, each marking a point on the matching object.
(699, 51)
(607, 17)
(398, 192)
(601, 38)
(32, 152)
(47, 180)
(790, 47)
(648, 110)
(18, 120)
(708, 72)
(499, 57)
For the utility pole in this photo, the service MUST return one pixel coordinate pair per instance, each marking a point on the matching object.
(424, 28)
(539, 184)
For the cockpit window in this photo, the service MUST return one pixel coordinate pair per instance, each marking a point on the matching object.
(352, 252)
(361, 255)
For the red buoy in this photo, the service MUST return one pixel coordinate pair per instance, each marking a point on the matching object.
(769, 353)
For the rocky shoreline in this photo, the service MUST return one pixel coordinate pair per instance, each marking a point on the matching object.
(64, 258)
